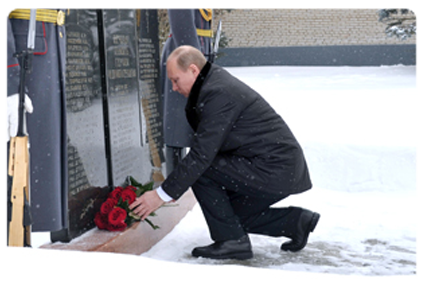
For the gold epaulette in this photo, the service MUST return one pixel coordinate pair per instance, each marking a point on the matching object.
(43, 15)
(207, 13)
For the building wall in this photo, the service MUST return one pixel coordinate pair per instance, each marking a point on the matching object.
(317, 37)
(304, 27)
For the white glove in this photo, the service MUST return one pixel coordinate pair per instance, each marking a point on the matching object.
(13, 112)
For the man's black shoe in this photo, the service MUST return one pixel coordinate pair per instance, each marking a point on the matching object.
(232, 249)
(306, 224)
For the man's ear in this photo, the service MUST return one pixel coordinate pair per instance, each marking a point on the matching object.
(194, 69)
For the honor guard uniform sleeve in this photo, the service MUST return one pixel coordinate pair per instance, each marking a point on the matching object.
(13, 67)
(183, 30)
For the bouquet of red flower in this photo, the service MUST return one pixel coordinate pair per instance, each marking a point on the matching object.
(115, 214)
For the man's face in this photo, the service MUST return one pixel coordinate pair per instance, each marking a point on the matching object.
(182, 81)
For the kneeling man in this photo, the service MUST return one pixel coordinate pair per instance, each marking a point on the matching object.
(243, 159)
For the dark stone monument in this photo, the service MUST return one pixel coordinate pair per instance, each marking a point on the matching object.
(128, 154)
(149, 66)
(114, 118)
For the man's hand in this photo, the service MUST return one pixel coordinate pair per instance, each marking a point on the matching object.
(13, 112)
(147, 203)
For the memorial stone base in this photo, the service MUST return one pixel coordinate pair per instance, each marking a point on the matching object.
(136, 239)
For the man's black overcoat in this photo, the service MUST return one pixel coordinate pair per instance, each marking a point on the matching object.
(238, 133)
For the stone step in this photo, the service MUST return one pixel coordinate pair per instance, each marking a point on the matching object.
(138, 238)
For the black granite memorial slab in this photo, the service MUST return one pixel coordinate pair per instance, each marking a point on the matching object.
(149, 66)
(113, 112)
(86, 166)
(129, 155)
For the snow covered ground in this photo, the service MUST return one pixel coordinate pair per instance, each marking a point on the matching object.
(358, 127)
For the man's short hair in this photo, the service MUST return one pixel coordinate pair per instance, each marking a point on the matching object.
(187, 55)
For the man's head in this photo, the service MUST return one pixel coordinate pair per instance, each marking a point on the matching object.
(183, 66)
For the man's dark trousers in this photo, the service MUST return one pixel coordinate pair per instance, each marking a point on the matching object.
(233, 208)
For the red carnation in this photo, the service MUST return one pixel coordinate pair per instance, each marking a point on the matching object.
(117, 216)
(116, 193)
(101, 221)
(128, 195)
(114, 214)
(113, 200)
(107, 206)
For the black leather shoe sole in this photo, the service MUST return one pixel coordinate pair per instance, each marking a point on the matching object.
(238, 256)
(295, 246)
